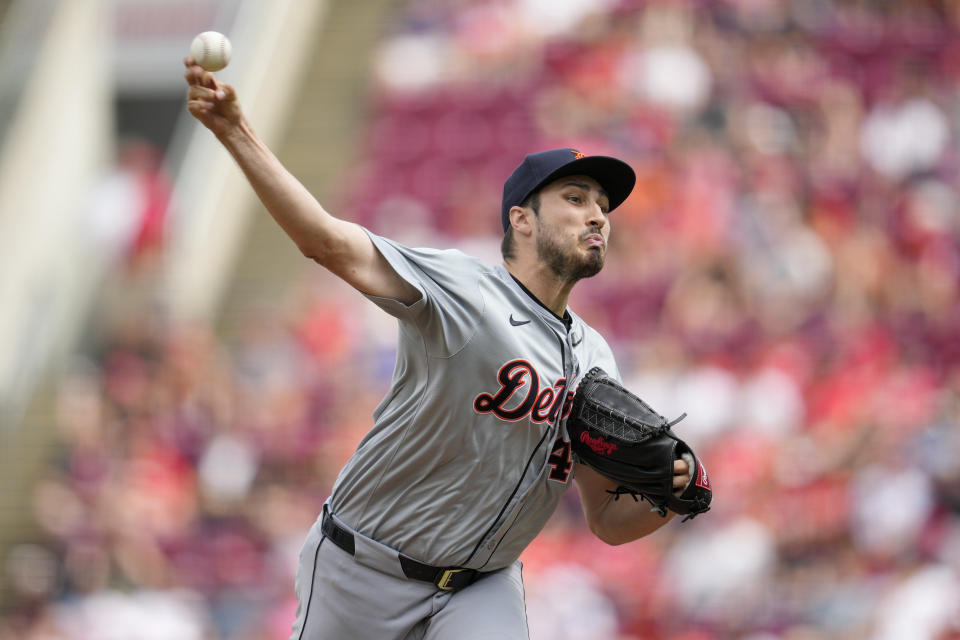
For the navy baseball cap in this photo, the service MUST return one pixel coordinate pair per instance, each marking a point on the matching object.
(537, 169)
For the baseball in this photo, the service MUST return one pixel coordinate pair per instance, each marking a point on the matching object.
(211, 50)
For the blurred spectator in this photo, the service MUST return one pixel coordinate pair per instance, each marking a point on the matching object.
(128, 209)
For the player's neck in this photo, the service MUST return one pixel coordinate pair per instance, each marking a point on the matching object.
(552, 291)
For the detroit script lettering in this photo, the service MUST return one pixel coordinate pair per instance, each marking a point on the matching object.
(520, 386)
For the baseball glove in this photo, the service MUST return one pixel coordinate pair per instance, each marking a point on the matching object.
(624, 439)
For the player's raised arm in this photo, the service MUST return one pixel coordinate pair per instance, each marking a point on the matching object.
(340, 246)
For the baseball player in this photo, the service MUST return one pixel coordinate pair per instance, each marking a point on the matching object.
(468, 455)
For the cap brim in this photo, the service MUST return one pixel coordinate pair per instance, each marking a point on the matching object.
(615, 176)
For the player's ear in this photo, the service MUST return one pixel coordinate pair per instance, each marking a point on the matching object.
(521, 219)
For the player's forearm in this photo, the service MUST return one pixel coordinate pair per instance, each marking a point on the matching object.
(316, 233)
(614, 520)
(621, 521)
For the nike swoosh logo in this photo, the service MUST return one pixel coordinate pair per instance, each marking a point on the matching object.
(518, 323)
(573, 344)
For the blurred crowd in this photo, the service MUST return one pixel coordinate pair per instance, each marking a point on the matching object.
(786, 272)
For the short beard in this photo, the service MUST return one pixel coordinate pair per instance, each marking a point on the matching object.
(565, 264)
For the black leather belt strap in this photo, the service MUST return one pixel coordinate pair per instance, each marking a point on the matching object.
(337, 534)
(445, 578)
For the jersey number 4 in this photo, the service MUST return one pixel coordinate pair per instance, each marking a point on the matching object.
(560, 460)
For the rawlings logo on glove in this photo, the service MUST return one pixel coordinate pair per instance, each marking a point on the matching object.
(598, 445)
(624, 439)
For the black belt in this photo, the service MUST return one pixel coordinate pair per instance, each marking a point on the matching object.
(445, 578)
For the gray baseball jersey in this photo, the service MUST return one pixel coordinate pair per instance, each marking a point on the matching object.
(468, 455)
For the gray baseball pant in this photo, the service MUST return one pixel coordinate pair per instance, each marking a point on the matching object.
(366, 596)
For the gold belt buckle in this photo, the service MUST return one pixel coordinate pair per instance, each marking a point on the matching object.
(446, 577)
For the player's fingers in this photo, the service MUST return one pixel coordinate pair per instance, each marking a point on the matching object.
(226, 92)
(209, 80)
(194, 74)
(196, 92)
(681, 474)
(199, 108)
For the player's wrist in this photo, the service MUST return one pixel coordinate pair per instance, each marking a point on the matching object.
(237, 135)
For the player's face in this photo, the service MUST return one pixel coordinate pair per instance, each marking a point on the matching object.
(573, 228)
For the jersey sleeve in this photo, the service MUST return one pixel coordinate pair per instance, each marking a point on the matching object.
(447, 313)
(595, 352)
(603, 358)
